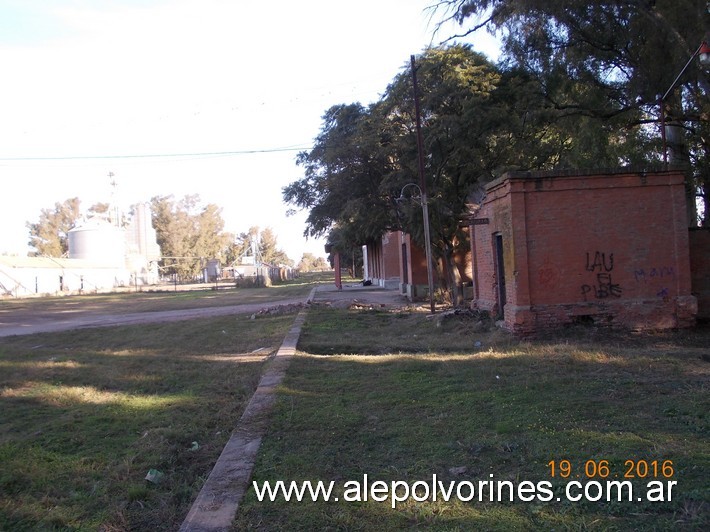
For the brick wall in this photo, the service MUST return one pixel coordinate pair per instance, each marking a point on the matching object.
(609, 248)
(383, 260)
(415, 283)
(391, 243)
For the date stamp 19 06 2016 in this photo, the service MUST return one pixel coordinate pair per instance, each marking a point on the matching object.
(630, 469)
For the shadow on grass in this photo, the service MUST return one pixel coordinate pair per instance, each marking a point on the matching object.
(86, 414)
(506, 410)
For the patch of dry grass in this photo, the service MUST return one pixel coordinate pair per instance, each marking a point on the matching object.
(435, 404)
(86, 414)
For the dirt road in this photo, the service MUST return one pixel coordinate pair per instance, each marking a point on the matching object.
(17, 323)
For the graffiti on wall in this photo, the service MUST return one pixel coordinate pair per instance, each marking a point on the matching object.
(649, 274)
(602, 286)
(656, 275)
(601, 264)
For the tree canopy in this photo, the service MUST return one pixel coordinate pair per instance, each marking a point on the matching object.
(49, 236)
(188, 233)
(578, 87)
(263, 243)
(365, 155)
(609, 62)
(478, 120)
(310, 263)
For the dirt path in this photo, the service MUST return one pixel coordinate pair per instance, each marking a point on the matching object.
(31, 323)
(358, 294)
(27, 323)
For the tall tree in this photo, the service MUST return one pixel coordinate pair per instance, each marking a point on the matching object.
(608, 62)
(466, 130)
(364, 157)
(341, 241)
(310, 263)
(99, 209)
(271, 253)
(263, 242)
(343, 174)
(188, 233)
(49, 236)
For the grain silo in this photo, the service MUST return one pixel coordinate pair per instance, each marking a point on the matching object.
(142, 250)
(99, 242)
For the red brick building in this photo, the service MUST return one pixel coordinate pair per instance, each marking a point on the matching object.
(609, 247)
(396, 262)
(381, 260)
(413, 270)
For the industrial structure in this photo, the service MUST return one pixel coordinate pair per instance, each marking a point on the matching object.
(102, 256)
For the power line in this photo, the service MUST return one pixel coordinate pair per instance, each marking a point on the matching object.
(155, 155)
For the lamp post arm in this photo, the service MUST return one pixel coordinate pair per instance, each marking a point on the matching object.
(703, 48)
(401, 194)
(675, 81)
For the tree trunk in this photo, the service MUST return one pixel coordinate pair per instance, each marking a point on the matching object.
(452, 276)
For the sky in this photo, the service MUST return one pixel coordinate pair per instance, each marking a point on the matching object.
(178, 97)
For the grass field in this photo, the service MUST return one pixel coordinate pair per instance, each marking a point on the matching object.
(397, 396)
(435, 406)
(86, 414)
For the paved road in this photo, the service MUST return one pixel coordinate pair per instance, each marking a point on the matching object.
(37, 323)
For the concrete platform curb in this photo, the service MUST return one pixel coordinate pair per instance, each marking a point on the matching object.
(218, 501)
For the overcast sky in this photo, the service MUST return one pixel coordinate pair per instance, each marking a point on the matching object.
(208, 97)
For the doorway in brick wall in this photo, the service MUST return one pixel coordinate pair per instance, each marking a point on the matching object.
(500, 274)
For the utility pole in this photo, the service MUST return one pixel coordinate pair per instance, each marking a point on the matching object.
(422, 186)
(113, 198)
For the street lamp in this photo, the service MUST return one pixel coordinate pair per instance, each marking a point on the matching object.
(703, 55)
(427, 238)
(422, 181)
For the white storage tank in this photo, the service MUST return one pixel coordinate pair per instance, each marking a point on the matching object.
(99, 242)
